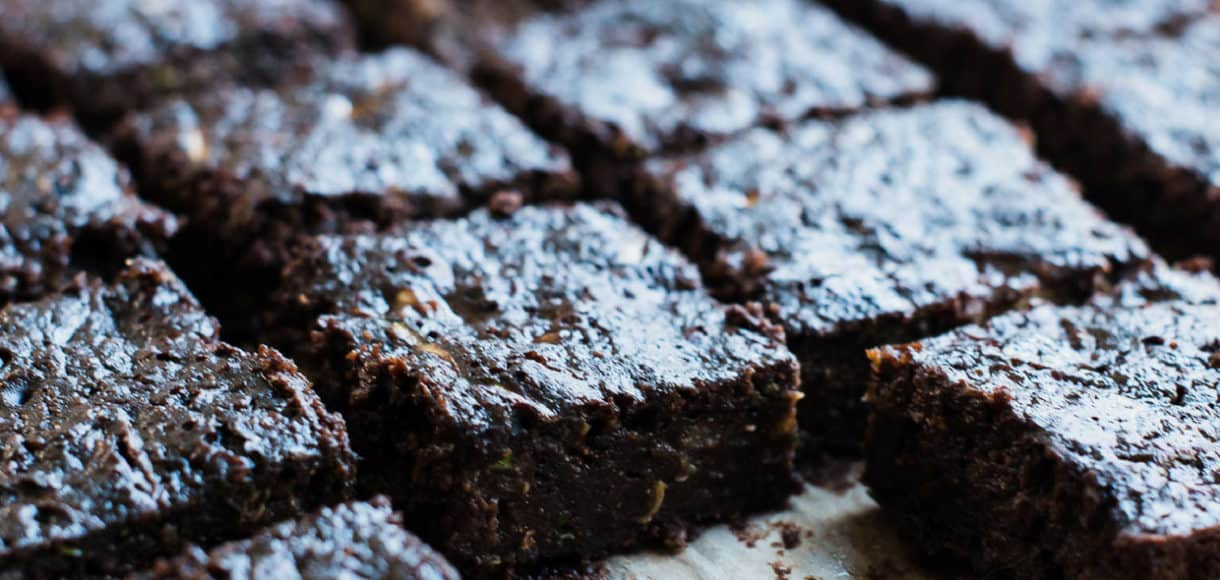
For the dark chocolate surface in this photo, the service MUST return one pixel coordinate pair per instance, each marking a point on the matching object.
(126, 427)
(1128, 395)
(649, 75)
(889, 212)
(104, 57)
(1164, 91)
(357, 539)
(65, 206)
(548, 310)
(393, 130)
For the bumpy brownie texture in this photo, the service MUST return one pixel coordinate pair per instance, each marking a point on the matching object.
(127, 429)
(1062, 442)
(549, 385)
(67, 208)
(104, 57)
(372, 141)
(352, 540)
(880, 228)
(1122, 93)
(627, 78)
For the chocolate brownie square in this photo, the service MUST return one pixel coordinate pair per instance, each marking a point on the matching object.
(372, 141)
(105, 57)
(1123, 93)
(550, 385)
(67, 207)
(356, 539)
(1061, 442)
(127, 428)
(624, 79)
(879, 228)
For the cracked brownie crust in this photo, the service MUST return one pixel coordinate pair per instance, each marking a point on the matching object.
(504, 366)
(628, 78)
(364, 539)
(127, 428)
(1060, 442)
(1121, 92)
(105, 57)
(880, 228)
(67, 208)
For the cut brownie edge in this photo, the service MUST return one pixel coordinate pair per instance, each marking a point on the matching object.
(992, 446)
(678, 462)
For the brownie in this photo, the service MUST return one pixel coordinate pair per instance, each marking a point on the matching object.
(549, 385)
(372, 141)
(1061, 442)
(1122, 93)
(104, 57)
(883, 227)
(617, 80)
(355, 540)
(127, 428)
(1190, 281)
(67, 207)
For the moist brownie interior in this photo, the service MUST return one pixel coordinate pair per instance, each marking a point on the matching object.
(127, 428)
(879, 228)
(1057, 443)
(66, 207)
(548, 385)
(364, 539)
(106, 57)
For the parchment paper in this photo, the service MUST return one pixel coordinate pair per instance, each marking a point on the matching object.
(830, 532)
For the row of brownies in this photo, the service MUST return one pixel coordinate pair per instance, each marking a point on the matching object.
(530, 377)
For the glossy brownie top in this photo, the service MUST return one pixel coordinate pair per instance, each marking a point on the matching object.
(55, 187)
(1152, 64)
(361, 539)
(544, 311)
(879, 215)
(1127, 395)
(105, 37)
(394, 125)
(669, 74)
(118, 405)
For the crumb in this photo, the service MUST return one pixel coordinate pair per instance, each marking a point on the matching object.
(781, 571)
(505, 203)
(790, 534)
(748, 534)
